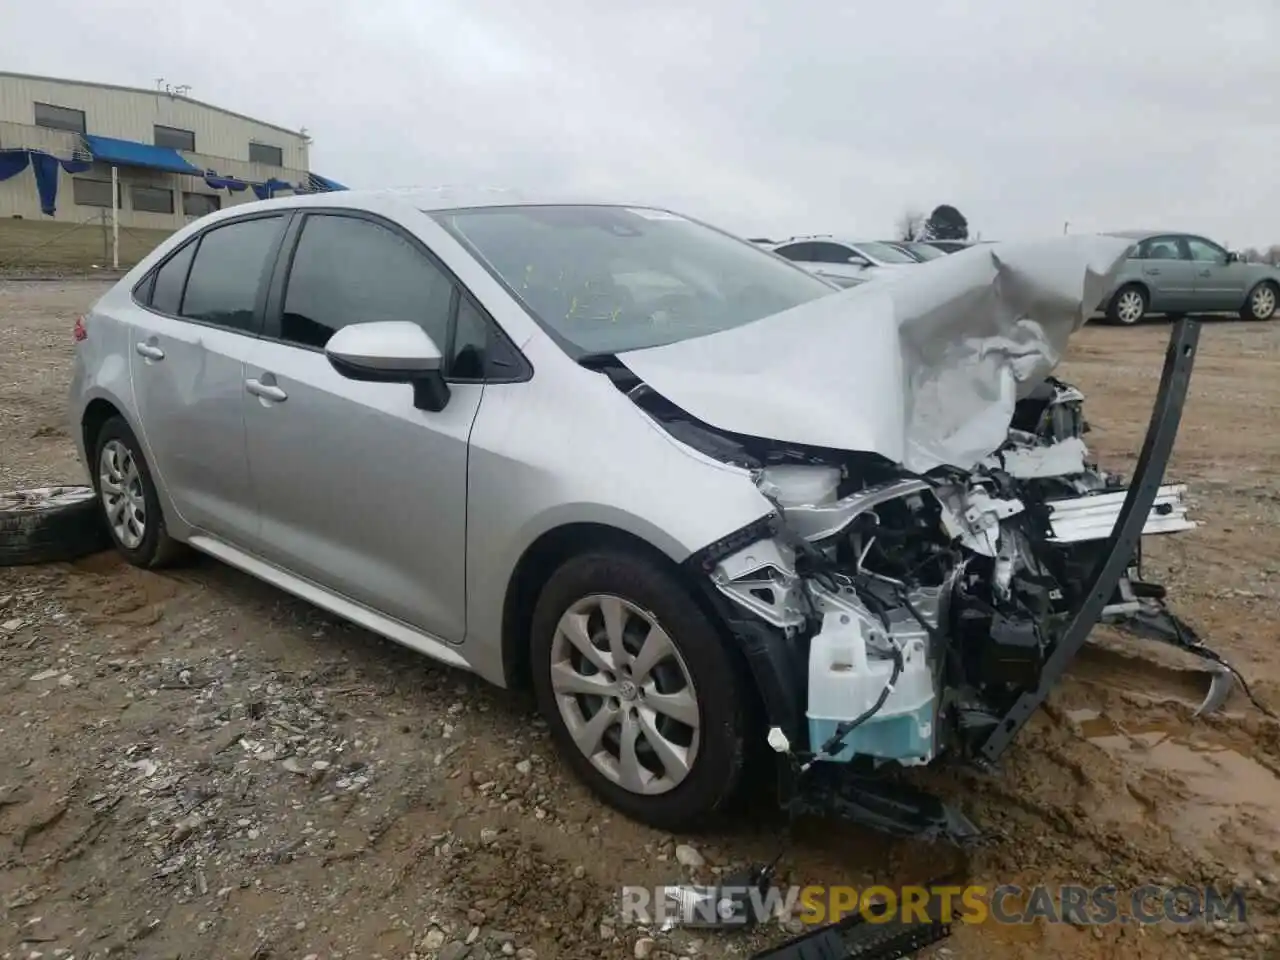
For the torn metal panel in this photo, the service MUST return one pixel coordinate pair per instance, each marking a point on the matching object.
(1094, 516)
(818, 521)
(925, 373)
(1123, 540)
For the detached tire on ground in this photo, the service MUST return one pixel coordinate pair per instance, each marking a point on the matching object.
(50, 524)
(643, 698)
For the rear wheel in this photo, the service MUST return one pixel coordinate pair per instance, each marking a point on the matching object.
(129, 499)
(1128, 306)
(1262, 302)
(641, 695)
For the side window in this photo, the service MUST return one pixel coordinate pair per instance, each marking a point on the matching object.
(349, 270)
(166, 295)
(1205, 252)
(1159, 248)
(832, 253)
(230, 261)
(798, 251)
(470, 343)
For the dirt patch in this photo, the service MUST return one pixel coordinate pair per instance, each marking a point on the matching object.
(193, 764)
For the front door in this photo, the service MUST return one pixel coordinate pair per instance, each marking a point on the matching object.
(191, 334)
(358, 489)
(1219, 283)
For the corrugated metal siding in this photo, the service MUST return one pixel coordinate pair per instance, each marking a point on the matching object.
(61, 143)
(132, 115)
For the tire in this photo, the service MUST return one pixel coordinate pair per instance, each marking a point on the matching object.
(153, 548)
(49, 525)
(1262, 302)
(1128, 306)
(583, 588)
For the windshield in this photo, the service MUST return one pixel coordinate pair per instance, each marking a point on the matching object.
(885, 253)
(924, 251)
(606, 279)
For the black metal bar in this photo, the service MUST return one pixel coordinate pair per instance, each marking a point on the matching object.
(894, 807)
(1154, 457)
(854, 938)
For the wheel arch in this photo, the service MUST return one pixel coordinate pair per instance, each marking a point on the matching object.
(547, 554)
(1263, 282)
(96, 413)
(1140, 284)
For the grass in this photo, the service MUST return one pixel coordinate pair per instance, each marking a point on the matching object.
(35, 246)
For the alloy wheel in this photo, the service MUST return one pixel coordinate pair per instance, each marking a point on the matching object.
(1129, 306)
(120, 483)
(1264, 302)
(625, 694)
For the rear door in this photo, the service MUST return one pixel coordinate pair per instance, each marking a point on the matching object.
(1219, 284)
(359, 490)
(1168, 272)
(195, 321)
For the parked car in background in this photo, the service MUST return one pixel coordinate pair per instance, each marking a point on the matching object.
(1176, 273)
(845, 262)
(916, 249)
(949, 246)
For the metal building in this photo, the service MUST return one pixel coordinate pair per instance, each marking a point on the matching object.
(172, 158)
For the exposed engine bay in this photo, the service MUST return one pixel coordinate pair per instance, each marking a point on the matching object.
(906, 617)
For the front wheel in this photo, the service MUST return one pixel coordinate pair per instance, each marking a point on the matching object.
(1128, 306)
(639, 690)
(1261, 304)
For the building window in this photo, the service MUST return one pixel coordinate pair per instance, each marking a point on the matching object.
(198, 204)
(175, 138)
(59, 118)
(265, 153)
(91, 193)
(151, 199)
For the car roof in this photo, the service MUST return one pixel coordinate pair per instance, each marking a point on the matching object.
(433, 199)
(1144, 234)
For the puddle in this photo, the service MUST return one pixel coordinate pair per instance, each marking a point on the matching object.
(1222, 783)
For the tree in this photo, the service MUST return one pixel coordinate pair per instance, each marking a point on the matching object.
(1273, 255)
(910, 225)
(1252, 255)
(947, 223)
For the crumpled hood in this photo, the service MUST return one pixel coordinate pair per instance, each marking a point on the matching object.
(924, 370)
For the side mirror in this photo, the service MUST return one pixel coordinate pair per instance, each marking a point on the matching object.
(1233, 257)
(858, 261)
(391, 351)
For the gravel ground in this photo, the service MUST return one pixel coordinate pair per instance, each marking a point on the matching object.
(195, 765)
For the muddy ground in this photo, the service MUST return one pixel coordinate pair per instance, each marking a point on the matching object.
(195, 765)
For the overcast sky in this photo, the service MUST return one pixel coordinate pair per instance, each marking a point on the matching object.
(769, 118)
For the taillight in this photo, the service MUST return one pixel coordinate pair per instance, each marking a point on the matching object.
(78, 332)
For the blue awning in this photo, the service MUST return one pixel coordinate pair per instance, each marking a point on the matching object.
(130, 153)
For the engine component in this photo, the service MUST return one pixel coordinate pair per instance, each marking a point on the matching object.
(851, 663)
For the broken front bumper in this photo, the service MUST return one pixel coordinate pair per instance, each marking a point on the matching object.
(762, 605)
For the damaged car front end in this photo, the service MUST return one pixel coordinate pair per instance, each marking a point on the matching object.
(895, 616)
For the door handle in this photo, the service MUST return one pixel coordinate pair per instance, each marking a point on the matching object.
(1206, 273)
(149, 351)
(267, 391)
(1152, 271)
